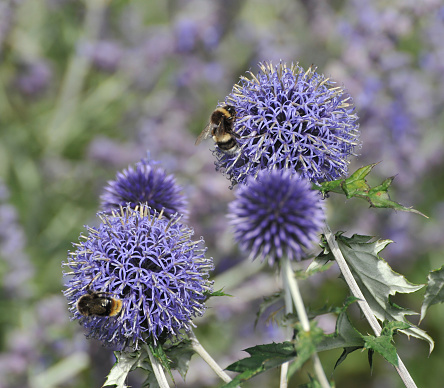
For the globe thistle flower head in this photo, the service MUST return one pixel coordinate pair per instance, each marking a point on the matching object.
(290, 118)
(152, 269)
(275, 215)
(148, 184)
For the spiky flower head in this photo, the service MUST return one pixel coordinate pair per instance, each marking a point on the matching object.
(150, 264)
(287, 117)
(275, 215)
(145, 183)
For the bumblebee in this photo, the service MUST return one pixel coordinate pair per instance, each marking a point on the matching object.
(221, 129)
(96, 303)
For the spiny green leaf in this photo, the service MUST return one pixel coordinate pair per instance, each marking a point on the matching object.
(306, 345)
(312, 269)
(384, 343)
(378, 281)
(292, 319)
(348, 350)
(345, 335)
(125, 362)
(354, 183)
(356, 186)
(383, 346)
(355, 239)
(379, 197)
(435, 290)
(150, 381)
(180, 356)
(171, 356)
(262, 358)
(159, 353)
(266, 303)
(216, 293)
(389, 328)
(370, 359)
(265, 357)
(325, 256)
(319, 262)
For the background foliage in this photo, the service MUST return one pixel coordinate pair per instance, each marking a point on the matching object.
(86, 88)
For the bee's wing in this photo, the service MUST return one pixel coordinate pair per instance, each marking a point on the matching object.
(97, 309)
(220, 130)
(204, 134)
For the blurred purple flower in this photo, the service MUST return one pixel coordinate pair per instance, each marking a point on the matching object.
(287, 117)
(148, 262)
(112, 153)
(147, 184)
(432, 56)
(399, 120)
(34, 78)
(384, 48)
(211, 36)
(104, 55)
(12, 249)
(145, 59)
(201, 30)
(185, 32)
(276, 214)
(440, 13)
(193, 72)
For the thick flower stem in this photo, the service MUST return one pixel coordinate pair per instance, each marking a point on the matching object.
(354, 288)
(157, 369)
(199, 349)
(283, 383)
(291, 284)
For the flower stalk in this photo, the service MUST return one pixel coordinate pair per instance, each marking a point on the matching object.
(291, 285)
(354, 288)
(157, 369)
(200, 350)
(288, 310)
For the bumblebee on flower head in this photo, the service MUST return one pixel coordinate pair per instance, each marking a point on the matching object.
(97, 303)
(220, 128)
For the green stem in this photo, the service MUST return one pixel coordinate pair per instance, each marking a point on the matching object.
(157, 369)
(291, 283)
(283, 383)
(200, 350)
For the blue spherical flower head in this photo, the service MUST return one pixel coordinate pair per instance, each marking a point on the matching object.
(154, 273)
(275, 215)
(145, 183)
(287, 117)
